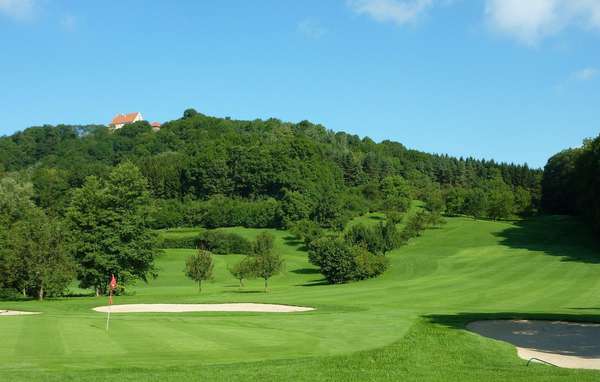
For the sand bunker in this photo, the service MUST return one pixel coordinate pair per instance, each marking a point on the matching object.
(182, 308)
(15, 313)
(564, 344)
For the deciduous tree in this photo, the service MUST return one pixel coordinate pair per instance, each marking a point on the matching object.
(199, 267)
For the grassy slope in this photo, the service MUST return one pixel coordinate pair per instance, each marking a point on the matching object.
(407, 324)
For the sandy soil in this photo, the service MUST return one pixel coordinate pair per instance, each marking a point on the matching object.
(564, 344)
(180, 308)
(15, 313)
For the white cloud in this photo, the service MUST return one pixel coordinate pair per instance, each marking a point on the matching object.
(530, 21)
(399, 12)
(586, 74)
(18, 9)
(311, 29)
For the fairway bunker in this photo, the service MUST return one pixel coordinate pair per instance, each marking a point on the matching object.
(15, 313)
(564, 344)
(185, 308)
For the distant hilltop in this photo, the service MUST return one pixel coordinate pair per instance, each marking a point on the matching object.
(121, 120)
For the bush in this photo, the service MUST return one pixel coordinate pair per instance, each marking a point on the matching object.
(335, 258)
(415, 225)
(166, 214)
(179, 242)
(366, 237)
(369, 265)
(223, 243)
(306, 230)
(10, 294)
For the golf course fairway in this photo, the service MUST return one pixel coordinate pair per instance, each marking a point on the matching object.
(408, 324)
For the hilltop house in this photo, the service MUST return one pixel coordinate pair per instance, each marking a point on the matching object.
(121, 120)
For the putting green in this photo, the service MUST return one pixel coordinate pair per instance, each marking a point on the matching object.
(408, 323)
(187, 308)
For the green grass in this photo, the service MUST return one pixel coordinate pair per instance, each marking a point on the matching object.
(405, 325)
(179, 233)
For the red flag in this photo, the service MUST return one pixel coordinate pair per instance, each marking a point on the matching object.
(111, 287)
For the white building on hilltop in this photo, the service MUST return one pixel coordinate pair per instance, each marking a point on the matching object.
(121, 120)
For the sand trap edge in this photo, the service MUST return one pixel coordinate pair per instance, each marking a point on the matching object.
(559, 360)
(190, 308)
(16, 313)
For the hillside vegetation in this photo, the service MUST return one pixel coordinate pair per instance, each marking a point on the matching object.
(219, 172)
(571, 182)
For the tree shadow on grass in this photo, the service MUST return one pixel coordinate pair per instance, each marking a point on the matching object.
(315, 283)
(556, 235)
(551, 337)
(80, 294)
(247, 291)
(295, 242)
(306, 271)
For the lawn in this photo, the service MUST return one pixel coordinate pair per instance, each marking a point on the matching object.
(405, 325)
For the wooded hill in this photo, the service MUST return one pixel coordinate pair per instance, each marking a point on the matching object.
(209, 171)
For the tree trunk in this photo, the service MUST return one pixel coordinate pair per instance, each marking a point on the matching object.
(199, 286)
(24, 292)
(241, 283)
(265, 285)
(97, 292)
(41, 293)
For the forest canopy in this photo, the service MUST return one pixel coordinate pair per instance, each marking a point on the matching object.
(571, 182)
(214, 172)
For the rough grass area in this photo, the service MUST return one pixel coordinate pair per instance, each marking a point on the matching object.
(406, 325)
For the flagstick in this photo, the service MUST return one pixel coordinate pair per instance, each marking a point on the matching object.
(109, 306)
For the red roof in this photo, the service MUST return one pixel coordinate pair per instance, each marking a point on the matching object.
(121, 119)
(155, 124)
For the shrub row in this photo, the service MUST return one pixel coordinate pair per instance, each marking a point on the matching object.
(179, 242)
(217, 242)
(218, 211)
(224, 242)
(360, 253)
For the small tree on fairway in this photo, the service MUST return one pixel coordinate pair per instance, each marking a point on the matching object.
(242, 270)
(263, 244)
(199, 267)
(267, 265)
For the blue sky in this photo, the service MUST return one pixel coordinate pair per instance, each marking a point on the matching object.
(510, 80)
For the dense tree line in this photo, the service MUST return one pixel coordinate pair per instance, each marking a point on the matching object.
(571, 182)
(80, 201)
(218, 172)
(103, 232)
